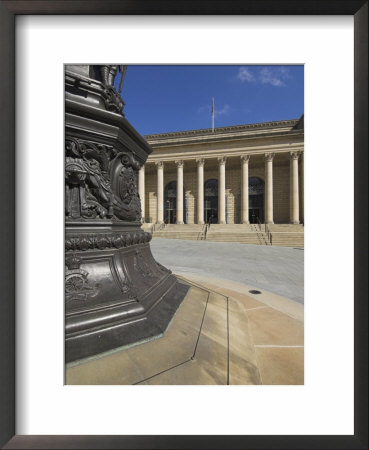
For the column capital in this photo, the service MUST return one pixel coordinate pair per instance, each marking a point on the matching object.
(159, 163)
(269, 156)
(222, 160)
(245, 158)
(295, 155)
(200, 162)
(179, 163)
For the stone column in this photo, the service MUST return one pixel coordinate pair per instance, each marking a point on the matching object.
(294, 187)
(221, 191)
(200, 191)
(179, 165)
(245, 189)
(269, 187)
(141, 190)
(160, 192)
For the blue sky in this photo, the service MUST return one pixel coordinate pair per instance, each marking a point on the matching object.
(168, 98)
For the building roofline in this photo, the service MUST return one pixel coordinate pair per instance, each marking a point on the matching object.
(208, 131)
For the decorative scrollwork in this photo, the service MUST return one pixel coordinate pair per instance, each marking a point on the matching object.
(100, 182)
(113, 101)
(141, 266)
(269, 157)
(77, 285)
(295, 155)
(102, 241)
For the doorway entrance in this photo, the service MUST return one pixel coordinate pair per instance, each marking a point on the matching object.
(170, 203)
(256, 200)
(211, 201)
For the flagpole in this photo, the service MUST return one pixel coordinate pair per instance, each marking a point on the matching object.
(212, 115)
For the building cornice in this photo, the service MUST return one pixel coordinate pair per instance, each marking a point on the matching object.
(214, 154)
(208, 139)
(222, 130)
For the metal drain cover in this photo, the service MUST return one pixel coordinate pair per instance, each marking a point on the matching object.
(254, 291)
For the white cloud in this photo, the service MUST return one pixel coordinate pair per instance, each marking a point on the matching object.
(223, 111)
(276, 76)
(245, 74)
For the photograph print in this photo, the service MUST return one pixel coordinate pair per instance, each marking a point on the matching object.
(184, 224)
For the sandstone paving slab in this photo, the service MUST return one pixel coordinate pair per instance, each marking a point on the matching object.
(282, 304)
(243, 371)
(203, 282)
(215, 321)
(189, 373)
(243, 367)
(271, 327)
(210, 362)
(157, 356)
(281, 366)
(246, 300)
(129, 365)
(212, 357)
(179, 342)
(240, 338)
(115, 368)
(219, 335)
(192, 308)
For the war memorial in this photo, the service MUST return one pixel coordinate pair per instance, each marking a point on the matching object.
(116, 293)
(128, 318)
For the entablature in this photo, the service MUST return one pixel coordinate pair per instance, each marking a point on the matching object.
(229, 153)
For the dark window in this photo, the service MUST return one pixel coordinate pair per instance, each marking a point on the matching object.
(211, 201)
(256, 200)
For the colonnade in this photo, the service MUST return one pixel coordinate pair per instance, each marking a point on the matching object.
(269, 157)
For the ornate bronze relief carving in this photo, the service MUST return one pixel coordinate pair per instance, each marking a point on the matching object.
(102, 241)
(77, 285)
(100, 182)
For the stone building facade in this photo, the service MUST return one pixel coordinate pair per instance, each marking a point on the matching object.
(232, 175)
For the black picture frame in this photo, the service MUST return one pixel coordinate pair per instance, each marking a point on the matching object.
(8, 11)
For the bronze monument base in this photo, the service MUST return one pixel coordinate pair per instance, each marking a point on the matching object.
(116, 294)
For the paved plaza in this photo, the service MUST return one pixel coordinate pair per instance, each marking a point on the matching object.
(279, 270)
(223, 333)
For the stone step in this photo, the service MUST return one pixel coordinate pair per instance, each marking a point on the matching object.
(185, 236)
(288, 235)
(288, 239)
(185, 225)
(246, 238)
(230, 226)
(286, 227)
